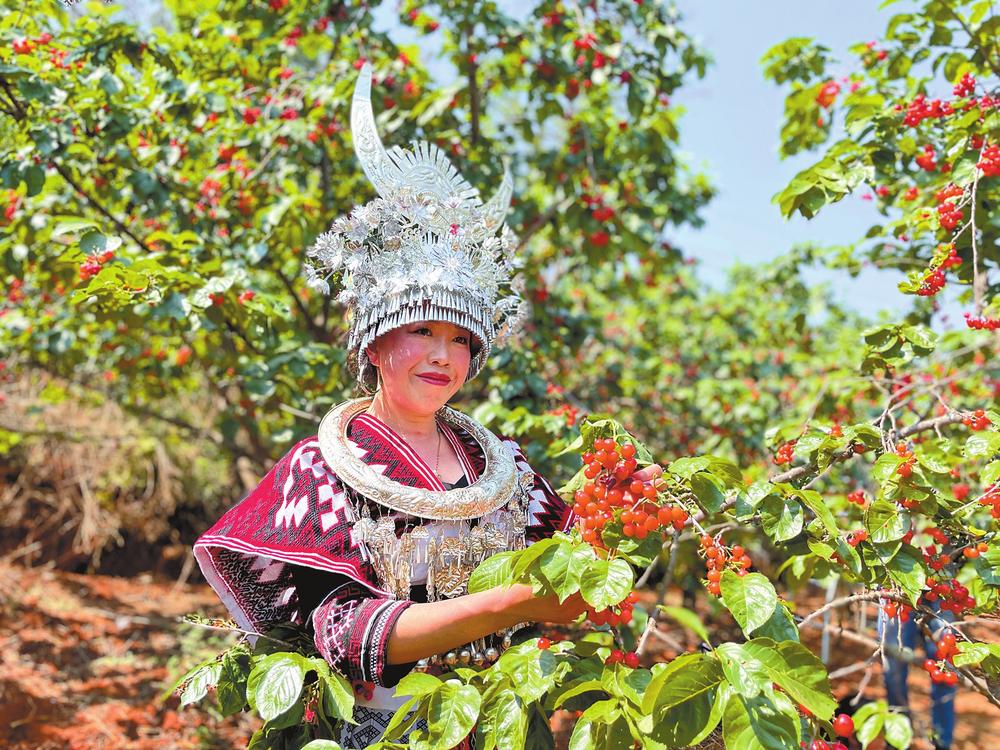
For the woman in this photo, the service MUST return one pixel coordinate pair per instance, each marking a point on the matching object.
(368, 531)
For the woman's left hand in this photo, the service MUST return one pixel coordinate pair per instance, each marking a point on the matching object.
(649, 473)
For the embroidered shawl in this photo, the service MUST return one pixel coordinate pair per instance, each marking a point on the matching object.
(300, 514)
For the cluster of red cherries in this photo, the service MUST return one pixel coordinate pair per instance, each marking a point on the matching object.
(93, 264)
(947, 647)
(905, 468)
(948, 213)
(978, 420)
(858, 498)
(951, 595)
(990, 161)
(618, 614)
(983, 323)
(785, 453)
(717, 559)
(897, 609)
(856, 537)
(975, 550)
(629, 658)
(611, 485)
(991, 499)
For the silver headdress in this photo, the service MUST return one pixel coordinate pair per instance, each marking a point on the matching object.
(426, 249)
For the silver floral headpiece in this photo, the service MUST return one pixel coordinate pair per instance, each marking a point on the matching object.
(426, 249)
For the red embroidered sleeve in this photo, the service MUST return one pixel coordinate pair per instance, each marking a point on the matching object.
(352, 634)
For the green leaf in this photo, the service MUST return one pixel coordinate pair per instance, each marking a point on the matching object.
(990, 473)
(744, 673)
(496, 570)
(533, 671)
(687, 618)
(606, 582)
(524, 559)
(34, 178)
(886, 522)
(781, 518)
(798, 671)
(563, 566)
(818, 505)
(706, 489)
(751, 599)
(898, 731)
(93, 242)
(321, 745)
(987, 566)
(681, 698)
(338, 697)
(275, 684)
(906, 569)
(451, 713)
(982, 445)
(417, 684)
(687, 467)
(70, 225)
(573, 688)
(503, 717)
(869, 727)
(757, 724)
(971, 653)
(199, 683)
(403, 719)
(922, 338)
(780, 626)
(231, 690)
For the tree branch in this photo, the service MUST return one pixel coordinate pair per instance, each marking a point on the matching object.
(103, 211)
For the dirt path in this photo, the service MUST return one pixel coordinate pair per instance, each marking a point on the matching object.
(86, 658)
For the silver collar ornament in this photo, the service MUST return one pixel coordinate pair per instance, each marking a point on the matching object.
(426, 249)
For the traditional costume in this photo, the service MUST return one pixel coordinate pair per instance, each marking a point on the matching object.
(351, 526)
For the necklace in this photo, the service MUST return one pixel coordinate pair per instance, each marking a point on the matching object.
(437, 461)
(494, 488)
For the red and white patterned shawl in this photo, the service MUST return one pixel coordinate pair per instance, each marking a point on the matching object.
(301, 515)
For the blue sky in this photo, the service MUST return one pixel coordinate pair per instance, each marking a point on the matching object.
(731, 131)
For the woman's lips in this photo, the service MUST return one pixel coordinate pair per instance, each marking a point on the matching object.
(434, 380)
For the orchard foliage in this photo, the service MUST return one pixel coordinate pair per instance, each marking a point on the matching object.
(913, 123)
(167, 183)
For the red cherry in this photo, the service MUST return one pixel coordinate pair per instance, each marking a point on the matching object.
(544, 643)
(631, 660)
(843, 725)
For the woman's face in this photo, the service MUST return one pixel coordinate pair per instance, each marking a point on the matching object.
(422, 364)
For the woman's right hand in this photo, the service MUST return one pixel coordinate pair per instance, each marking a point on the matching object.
(526, 607)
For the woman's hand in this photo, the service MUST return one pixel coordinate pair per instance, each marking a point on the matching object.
(648, 474)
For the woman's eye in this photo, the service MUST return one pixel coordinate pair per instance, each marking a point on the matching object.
(462, 339)
(422, 330)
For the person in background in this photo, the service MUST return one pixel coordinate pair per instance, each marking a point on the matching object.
(906, 635)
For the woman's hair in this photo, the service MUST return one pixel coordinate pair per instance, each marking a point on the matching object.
(367, 375)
